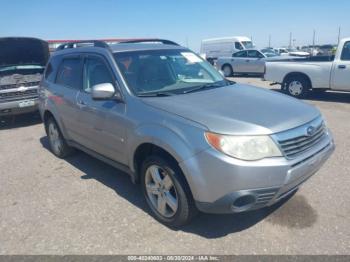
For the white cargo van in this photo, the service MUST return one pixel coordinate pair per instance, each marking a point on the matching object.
(213, 48)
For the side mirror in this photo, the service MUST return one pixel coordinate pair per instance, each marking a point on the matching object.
(102, 91)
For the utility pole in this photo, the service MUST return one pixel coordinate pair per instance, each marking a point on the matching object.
(290, 40)
(269, 41)
(313, 39)
(339, 35)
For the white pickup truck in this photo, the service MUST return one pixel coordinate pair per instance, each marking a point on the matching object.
(300, 77)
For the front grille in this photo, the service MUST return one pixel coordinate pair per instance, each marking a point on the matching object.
(301, 142)
(17, 95)
(12, 86)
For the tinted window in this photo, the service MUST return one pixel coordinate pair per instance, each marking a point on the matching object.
(69, 73)
(170, 71)
(51, 69)
(95, 72)
(345, 55)
(238, 46)
(254, 54)
(240, 54)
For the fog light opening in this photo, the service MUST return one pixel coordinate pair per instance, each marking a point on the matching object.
(243, 203)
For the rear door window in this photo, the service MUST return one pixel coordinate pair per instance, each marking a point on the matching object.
(254, 54)
(69, 73)
(240, 54)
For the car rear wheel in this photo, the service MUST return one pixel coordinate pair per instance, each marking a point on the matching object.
(58, 145)
(297, 86)
(228, 71)
(166, 192)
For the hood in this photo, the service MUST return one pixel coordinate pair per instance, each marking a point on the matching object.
(238, 109)
(16, 51)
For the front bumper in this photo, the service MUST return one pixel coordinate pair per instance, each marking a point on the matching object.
(18, 107)
(221, 184)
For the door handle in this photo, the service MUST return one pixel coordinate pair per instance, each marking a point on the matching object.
(341, 66)
(247, 60)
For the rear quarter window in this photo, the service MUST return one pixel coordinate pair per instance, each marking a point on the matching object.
(51, 69)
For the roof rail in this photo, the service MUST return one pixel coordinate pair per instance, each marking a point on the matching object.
(76, 44)
(150, 40)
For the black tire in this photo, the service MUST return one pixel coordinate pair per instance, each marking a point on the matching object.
(186, 208)
(319, 90)
(211, 61)
(228, 71)
(62, 149)
(297, 86)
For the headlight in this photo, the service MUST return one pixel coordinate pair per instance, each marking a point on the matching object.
(244, 147)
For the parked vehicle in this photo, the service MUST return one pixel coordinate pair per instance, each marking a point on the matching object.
(214, 48)
(250, 61)
(269, 52)
(291, 52)
(326, 50)
(281, 51)
(22, 62)
(242, 62)
(298, 78)
(296, 52)
(193, 140)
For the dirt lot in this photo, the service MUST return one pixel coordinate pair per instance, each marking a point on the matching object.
(83, 206)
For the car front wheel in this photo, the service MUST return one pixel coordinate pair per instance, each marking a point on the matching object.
(166, 192)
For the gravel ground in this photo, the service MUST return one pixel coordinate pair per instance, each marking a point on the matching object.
(83, 206)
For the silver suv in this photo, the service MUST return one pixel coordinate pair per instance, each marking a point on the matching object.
(191, 138)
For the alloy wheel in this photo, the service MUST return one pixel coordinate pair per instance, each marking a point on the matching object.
(55, 139)
(161, 191)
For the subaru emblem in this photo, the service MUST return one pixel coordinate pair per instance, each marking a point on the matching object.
(310, 130)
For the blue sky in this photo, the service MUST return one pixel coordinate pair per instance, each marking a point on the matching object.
(184, 21)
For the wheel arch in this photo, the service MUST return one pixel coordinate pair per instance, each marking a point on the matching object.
(162, 140)
(50, 114)
(147, 149)
(296, 73)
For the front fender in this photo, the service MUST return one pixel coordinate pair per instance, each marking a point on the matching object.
(170, 138)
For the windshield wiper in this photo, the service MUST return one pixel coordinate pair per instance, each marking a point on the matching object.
(154, 94)
(208, 85)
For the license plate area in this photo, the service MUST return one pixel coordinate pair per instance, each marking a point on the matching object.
(26, 103)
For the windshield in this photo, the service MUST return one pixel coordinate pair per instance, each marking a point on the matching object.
(166, 71)
(247, 44)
